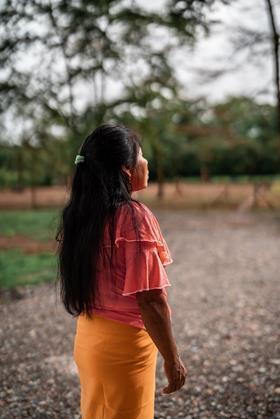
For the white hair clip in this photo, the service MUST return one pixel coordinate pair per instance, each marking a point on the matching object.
(79, 159)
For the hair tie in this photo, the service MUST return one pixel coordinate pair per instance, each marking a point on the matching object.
(79, 159)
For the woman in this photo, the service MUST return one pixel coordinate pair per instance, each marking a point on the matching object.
(111, 274)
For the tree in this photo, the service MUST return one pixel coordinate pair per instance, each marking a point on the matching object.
(275, 48)
(57, 58)
(250, 44)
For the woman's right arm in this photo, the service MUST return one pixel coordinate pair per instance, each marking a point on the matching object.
(155, 314)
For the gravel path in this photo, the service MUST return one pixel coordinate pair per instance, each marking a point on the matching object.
(225, 306)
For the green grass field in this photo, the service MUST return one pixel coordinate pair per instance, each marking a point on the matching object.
(18, 268)
(38, 224)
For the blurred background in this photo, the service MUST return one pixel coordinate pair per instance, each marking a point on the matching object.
(199, 80)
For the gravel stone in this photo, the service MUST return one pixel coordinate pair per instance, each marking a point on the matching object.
(225, 315)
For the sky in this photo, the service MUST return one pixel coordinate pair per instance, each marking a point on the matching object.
(253, 74)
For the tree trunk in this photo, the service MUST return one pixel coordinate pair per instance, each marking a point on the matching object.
(19, 170)
(204, 173)
(275, 40)
(159, 170)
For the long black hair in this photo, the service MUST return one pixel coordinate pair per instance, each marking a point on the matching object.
(99, 187)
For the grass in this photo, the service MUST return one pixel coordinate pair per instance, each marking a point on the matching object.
(38, 224)
(17, 268)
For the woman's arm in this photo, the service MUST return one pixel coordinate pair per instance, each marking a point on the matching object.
(155, 314)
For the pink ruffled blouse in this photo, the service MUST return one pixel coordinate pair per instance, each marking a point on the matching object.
(134, 269)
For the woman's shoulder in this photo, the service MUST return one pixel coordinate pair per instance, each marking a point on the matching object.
(137, 214)
(140, 210)
(147, 226)
(140, 206)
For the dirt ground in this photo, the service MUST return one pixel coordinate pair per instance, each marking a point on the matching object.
(26, 244)
(177, 194)
(225, 313)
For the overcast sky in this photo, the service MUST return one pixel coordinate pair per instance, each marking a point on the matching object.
(251, 76)
(254, 73)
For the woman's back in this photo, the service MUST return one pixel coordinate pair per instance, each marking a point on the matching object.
(132, 271)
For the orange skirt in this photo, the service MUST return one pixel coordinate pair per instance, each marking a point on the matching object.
(117, 369)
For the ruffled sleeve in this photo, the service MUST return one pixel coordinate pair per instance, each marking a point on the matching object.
(144, 255)
(144, 269)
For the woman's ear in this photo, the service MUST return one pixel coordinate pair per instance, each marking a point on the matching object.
(127, 170)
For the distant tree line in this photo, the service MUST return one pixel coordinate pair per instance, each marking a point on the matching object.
(236, 137)
(58, 59)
